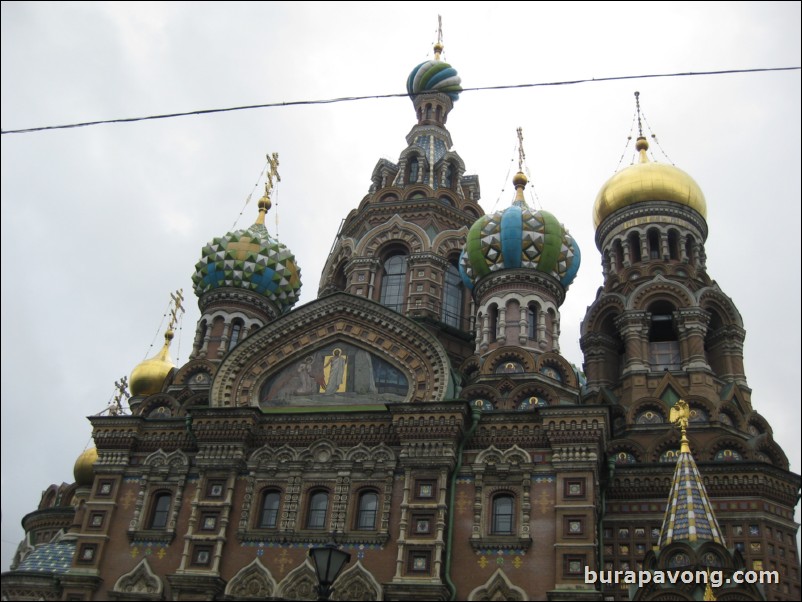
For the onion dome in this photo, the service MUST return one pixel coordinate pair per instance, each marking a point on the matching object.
(252, 260)
(82, 471)
(149, 376)
(645, 181)
(519, 237)
(434, 76)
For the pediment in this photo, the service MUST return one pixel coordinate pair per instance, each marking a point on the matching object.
(338, 350)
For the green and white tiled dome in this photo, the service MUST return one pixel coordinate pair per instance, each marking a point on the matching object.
(252, 260)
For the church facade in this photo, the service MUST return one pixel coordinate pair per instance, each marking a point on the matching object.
(419, 414)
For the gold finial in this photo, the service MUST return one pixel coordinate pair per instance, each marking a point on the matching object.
(438, 46)
(176, 306)
(641, 144)
(264, 202)
(680, 415)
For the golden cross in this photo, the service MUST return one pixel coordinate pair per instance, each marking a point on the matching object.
(272, 173)
(439, 29)
(521, 154)
(177, 299)
(283, 560)
(637, 107)
(122, 389)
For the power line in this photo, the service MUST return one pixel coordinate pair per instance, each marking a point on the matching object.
(396, 95)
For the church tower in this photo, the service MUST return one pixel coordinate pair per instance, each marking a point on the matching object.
(661, 330)
(401, 246)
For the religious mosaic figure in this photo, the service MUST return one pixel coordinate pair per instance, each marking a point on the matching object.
(336, 364)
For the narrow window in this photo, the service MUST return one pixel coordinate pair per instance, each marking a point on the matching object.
(531, 319)
(492, 319)
(654, 244)
(392, 291)
(318, 504)
(236, 331)
(634, 247)
(502, 514)
(161, 511)
(452, 297)
(268, 517)
(368, 507)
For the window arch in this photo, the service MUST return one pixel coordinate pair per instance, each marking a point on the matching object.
(367, 510)
(393, 280)
(316, 512)
(502, 517)
(452, 297)
(160, 510)
(268, 511)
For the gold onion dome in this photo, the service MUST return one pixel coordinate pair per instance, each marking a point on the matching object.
(148, 377)
(646, 181)
(82, 471)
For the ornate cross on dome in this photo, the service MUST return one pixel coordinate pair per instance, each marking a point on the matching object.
(438, 47)
(176, 306)
(637, 108)
(521, 153)
(272, 173)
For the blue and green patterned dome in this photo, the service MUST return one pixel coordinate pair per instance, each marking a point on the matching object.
(434, 76)
(519, 237)
(252, 260)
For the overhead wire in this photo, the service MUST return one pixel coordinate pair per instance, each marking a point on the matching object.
(394, 95)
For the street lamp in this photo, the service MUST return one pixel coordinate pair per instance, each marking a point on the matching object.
(329, 560)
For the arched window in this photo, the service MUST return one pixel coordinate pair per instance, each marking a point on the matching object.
(452, 297)
(316, 514)
(531, 320)
(673, 245)
(448, 176)
(634, 247)
(618, 252)
(654, 244)
(160, 510)
(367, 510)
(492, 322)
(392, 291)
(663, 341)
(413, 170)
(268, 514)
(503, 510)
(236, 333)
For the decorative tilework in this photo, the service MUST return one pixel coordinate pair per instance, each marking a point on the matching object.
(434, 76)
(51, 558)
(689, 515)
(250, 259)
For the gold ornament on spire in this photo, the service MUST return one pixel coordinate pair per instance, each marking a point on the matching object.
(680, 415)
(272, 174)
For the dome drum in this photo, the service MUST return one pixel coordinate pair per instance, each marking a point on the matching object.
(657, 213)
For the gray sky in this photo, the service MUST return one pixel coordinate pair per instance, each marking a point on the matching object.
(99, 224)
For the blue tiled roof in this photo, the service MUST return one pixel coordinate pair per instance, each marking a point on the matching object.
(50, 558)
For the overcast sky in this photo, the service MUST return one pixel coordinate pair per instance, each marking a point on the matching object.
(100, 223)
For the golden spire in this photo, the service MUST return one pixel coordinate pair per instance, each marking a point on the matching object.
(264, 202)
(680, 415)
(438, 46)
